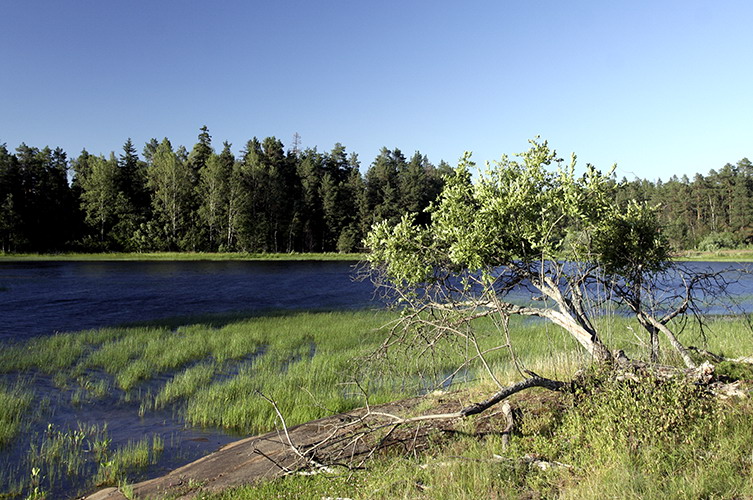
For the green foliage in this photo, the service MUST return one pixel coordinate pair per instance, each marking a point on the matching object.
(519, 210)
(630, 242)
(654, 439)
(629, 415)
(734, 370)
(404, 248)
(718, 241)
(277, 201)
(170, 182)
(214, 177)
(348, 241)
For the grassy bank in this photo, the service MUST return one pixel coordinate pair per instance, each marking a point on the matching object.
(620, 439)
(612, 438)
(745, 255)
(179, 256)
(218, 373)
(687, 255)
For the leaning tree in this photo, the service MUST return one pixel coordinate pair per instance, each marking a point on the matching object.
(528, 237)
(531, 223)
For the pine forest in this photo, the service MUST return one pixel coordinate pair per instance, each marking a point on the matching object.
(273, 199)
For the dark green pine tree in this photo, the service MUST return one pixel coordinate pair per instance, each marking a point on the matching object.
(354, 201)
(280, 194)
(132, 179)
(382, 187)
(336, 169)
(310, 169)
(134, 203)
(252, 224)
(267, 218)
(676, 212)
(741, 209)
(196, 236)
(419, 184)
(46, 205)
(201, 152)
(10, 191)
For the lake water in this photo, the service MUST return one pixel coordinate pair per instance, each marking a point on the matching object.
(41, 298)
(44, 298)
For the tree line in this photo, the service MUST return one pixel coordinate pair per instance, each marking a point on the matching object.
(267, 199)
(710, 212)
(273, 199)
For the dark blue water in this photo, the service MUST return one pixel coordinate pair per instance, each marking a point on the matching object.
(41, 298)
(44, 298)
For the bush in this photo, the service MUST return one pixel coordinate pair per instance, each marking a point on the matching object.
(718, 241)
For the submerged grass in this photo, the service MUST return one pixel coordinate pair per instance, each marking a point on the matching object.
(14, 404)
(135, 455)
(63, 457)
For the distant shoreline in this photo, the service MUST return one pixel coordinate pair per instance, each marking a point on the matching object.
(180, 256)
(686, 255)
(716, 256)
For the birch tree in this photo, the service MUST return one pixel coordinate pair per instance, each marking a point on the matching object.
(170, 182)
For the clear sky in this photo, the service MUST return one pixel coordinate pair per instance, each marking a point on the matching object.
(659, 87)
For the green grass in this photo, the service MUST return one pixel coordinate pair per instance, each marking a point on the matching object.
(741, 255)
(304, 361)
(185, 384)
(612, 440)
(134, 456)
(178, 256)
(14, 405)
(219, 374)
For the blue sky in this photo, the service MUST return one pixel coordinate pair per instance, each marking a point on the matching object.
(659, 87)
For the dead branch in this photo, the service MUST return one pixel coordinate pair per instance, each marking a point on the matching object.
(307, 459)
(476, 408)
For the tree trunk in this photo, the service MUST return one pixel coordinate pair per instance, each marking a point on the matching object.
(656, 325)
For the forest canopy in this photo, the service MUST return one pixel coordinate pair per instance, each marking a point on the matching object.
(272, 199)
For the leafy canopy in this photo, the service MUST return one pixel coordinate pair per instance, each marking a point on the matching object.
(520, 211)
